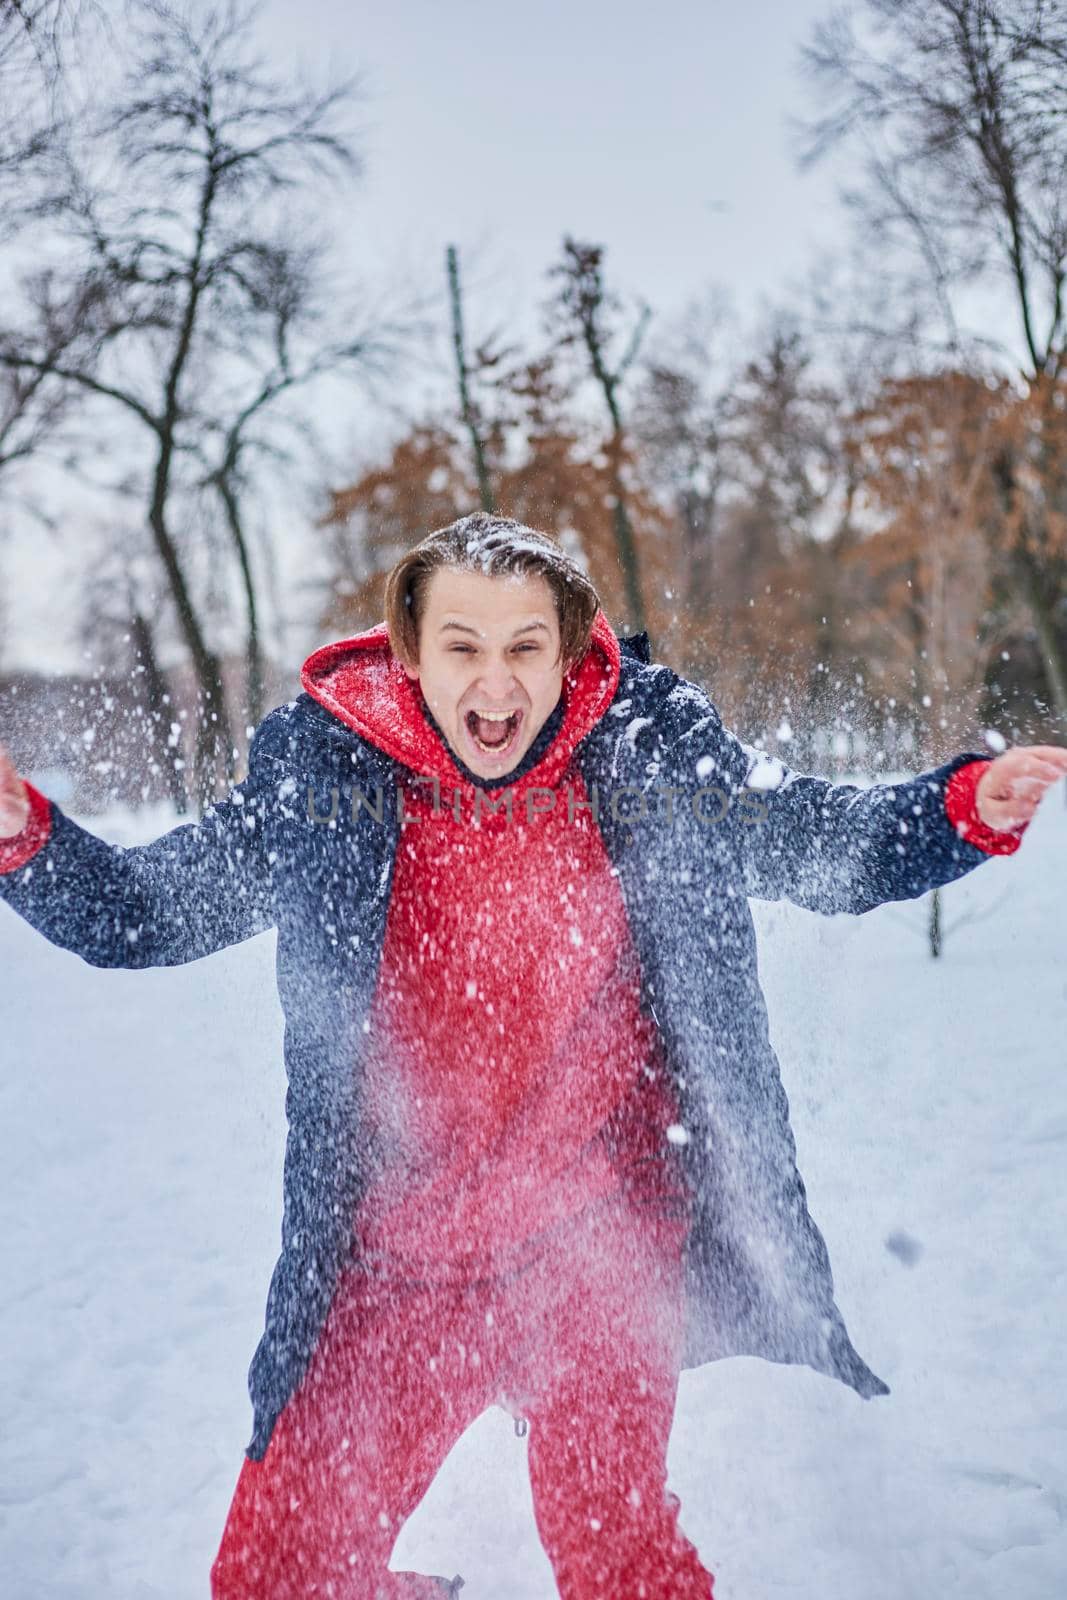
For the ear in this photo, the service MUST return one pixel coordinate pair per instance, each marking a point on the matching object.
(412, 672)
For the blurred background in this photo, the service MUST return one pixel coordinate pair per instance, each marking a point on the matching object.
(762, 315)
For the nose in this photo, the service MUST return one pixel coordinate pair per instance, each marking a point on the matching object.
(497, 681)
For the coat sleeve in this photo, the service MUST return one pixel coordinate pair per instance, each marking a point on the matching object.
(828, 847)
(197, 889)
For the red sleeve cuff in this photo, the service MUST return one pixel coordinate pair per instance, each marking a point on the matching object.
(21, 847)
(962, 812)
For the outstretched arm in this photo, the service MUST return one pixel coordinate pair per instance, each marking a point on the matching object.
(834, 847)
(195, 890)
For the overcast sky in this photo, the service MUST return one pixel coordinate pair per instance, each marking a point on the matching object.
(654, 127)
(659, 130)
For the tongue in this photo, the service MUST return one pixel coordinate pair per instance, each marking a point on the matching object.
(496, 733)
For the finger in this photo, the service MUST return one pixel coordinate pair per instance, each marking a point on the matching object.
(1017, 792)
(1013, 817)
(1007, 793)
(1055, 754)
(1039, 772)
(1034, 768)
(1025, 792)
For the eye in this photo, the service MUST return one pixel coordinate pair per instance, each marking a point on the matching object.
(529, 646)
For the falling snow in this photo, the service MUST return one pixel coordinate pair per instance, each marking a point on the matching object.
(927, 1164)
(767, 772)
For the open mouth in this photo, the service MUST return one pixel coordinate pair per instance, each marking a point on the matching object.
(493, 733)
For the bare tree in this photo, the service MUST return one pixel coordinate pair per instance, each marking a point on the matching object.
(170, 205)
(468, 409)
(960, 108)
(31, 407)
(283, 351)
(36, 37)
(118, 615)
(678, 422)
(585, 311)
(35, 401)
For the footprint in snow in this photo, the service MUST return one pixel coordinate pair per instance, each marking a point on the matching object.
(906, 1249)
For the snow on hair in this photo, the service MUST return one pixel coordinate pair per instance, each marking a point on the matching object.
(496, 546)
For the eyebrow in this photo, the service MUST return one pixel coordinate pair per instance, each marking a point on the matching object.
(462, 627)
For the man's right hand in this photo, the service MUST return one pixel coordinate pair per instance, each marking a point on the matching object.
(14, 798)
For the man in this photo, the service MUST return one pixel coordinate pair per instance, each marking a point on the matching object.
(539, 1150)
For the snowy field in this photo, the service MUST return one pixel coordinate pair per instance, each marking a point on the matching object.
(140, 1208)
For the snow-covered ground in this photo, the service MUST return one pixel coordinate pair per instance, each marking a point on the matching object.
(140, 1208)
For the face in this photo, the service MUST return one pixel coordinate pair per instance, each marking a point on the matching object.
(489, 664)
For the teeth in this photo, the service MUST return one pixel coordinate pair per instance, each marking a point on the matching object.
(494, 716)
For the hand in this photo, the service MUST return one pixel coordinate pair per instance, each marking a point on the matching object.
(14, 799)
(1011, 787)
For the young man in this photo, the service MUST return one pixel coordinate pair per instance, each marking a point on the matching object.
(539, 1150)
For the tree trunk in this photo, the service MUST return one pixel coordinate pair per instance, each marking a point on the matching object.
(253, 650)
(624, 539)
(1033, 588)
(157, 696)
(213, 723)
(934, 928)
(470, 421)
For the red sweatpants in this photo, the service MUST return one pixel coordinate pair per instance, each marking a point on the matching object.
(584, 1340)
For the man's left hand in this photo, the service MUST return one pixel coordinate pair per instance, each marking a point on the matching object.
(1011, 787)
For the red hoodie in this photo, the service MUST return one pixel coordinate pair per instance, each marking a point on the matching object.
(512, 1076)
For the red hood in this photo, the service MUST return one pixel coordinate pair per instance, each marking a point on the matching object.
(362, 683)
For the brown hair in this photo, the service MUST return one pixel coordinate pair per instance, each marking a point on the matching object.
(495, 546)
